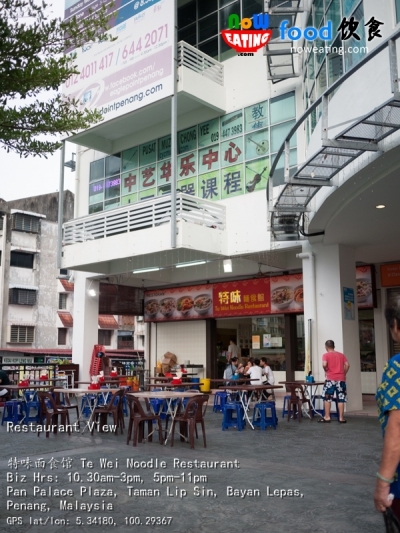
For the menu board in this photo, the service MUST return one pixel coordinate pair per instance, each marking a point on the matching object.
(181, 303)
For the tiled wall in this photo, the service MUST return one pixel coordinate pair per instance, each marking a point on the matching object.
(187, 340)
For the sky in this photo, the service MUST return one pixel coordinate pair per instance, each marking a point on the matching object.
(31, 176)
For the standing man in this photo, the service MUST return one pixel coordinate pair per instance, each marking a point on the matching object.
(233, 350)
(336, 367)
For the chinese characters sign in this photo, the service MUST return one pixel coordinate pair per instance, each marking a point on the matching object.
(242, 298)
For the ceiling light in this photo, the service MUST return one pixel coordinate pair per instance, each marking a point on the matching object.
(380, 206)
(150, 269)
(92, 293)
(227, 265)
(192, 263)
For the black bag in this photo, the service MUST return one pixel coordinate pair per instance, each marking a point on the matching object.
(392, 523)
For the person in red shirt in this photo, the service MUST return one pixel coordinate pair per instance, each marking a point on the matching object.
(336, 367)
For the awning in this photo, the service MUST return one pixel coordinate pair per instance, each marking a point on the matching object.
(30, 213)
(107, 322)
(66, 319)
(16, 248)
(69, 287)
(26, 287)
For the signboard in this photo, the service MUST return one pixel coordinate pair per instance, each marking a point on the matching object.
(131, 72)
(287, 294)
(390, 275)
(255, 342)
(182, 303)
(17, 360)
(365, 287)
(242, 298)
(348, 303)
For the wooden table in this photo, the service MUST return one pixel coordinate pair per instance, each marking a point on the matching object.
(245, 399)
(308, 391)
(169, 396)
(172, 385)
(81, 392)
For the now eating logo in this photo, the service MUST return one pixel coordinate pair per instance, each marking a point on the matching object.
(241, 38)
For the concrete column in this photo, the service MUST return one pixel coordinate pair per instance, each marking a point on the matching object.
(86, 325)
(382, 335)
(334, 268)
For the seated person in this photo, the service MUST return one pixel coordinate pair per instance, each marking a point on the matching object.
(267, 372)
(231, 368)
(4, 380)
(250, 363)
(255, 373)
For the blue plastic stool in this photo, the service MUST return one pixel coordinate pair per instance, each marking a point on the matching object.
(31, 403)
(13, 411)
(220, 399)
(286, 400)
(229, 420)
(260, 415)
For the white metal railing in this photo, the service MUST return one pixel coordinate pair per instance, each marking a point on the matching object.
(190, 57)
(143, 215)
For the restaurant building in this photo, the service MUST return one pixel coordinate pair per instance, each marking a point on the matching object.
(272, 219)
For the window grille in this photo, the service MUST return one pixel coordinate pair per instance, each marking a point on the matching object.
(22, 334)
(21, 260)
(22, 297)
(62, 301)
(27, 223)
(105, 336)
(62, 336)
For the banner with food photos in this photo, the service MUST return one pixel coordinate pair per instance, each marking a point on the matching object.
(287, 294)
(180, 303)
(365, 281)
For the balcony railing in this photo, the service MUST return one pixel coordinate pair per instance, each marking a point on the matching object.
(144, 215)
(193, 59)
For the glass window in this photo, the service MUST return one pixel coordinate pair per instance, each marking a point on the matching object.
(318, 12)
(333, 14)
(97, 208)
(397, 10)
(335, 67)
(97, 170)
(208, 27)
(353, 57)
(210, 47)
(188, 35)
(21, 260)
(252, 7)
(367, 340)
(321, 80)
(348, 6)
(112, 204)
(96, 192)
(225, 51)
(130, 158)
(112, 165)
(62, 300)
(105, 337)
(187, 14)
(206, 7)
(301, 350)
(112, 187)
(275, 327)
(282, 108)
(224, 13)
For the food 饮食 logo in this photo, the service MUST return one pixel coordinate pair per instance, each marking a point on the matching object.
(248, 34)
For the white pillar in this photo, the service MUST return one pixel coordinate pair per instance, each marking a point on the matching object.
(334, 269)
(86, 325)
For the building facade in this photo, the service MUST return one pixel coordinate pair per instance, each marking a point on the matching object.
(282, 158)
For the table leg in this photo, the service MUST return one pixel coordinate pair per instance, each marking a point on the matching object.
(172, 411)
(245, 401)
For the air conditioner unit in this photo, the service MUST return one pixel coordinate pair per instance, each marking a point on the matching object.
(140, 318)
(64, 274)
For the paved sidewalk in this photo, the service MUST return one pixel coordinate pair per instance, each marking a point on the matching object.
(333, 466)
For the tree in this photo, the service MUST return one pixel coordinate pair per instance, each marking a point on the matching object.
(33, 66)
